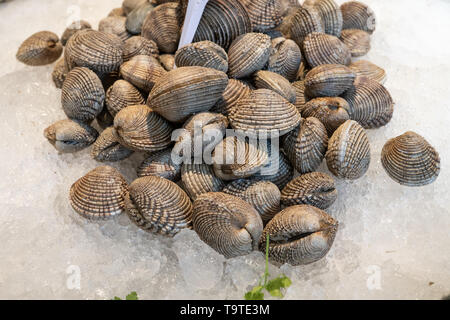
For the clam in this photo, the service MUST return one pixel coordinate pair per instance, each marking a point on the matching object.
(285, 58)
(264, 112)
(40, 49)
(99, 51)
(332, 112)
(410, 160)
(107, 148)
(185, 91)
(348, 155)
(299, 235)
(321, 48)
(275, 82)
(265, 14)
(73, 28)
(315, 188)
(203, 54)
(330, 15)
(227, 223)
(357, 41)
(301, 22)
(199, 179)
(117, 12)
(305, 146)
(278, 170)
(70, 135)
(59, 73)
(105, 119)
(160, 164)
(357, 15)
(142, 72)
(139, 128)
(100, 194)
(136, 17)
(129, 5)
(264, 196)
(300, 96)
(167, 61)
(122, 94)
(328, 80)
(82, 95)
(158, 205)
(368, 69)
(163, 25)
(115, 25)
(235, 90)
(370, 103)
(248, 53)
(138, 45)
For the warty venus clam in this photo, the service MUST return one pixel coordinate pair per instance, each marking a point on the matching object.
(40, 49)
(321, 48)
(204, 54)
(107, 147)
(70, 135)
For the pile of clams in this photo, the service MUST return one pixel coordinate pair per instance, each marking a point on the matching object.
(283, 75)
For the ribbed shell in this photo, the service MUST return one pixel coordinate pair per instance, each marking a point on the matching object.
(300, 23)
(264, 111)
(222, 22)
(122, 94)
(248, 53)
(348, 155)
(163, 25)
(299, 235)
(40, 49)
(370, 103)
(305, 146)
(167, 61)
(235, 90)
(139, 128)
(82, 95)
(158, 205)
(199, 179)
(321, 48)
(203, 54)
(115, 25)
(328, 80)
(330, 14)
(357, 41)
(138, 45)
(332, 112)
(264, 196)
(70, 135)
(275, 82)
(142, 72)
(187, 90)
(316, 189)
(136, 17)
(357, 15)
(237, 157)
(107, 148)
(98, 51)
(278, 170)
(265, 14)
(410, 160)
(99, 194)
(300, 96)
(73, 28)
(368, 69)
(160, 164)
(227, 223)
(285, 58)
(129, 5)
(59, 73)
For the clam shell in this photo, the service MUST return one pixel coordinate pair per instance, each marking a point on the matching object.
(321, 48)
(332, 112)
(357, 15)
(167, 61)
(278, 170)
(122, 94)
(368, 69)
(73, 28)
(264, 196)
(248, 53)
(203, 54)
(40, 49)
(328, 80)
(316, 189)
(300, 96)
(163, 25)
(410, 160)
(139, 128)
(70, 135)
(142, 72)
(129, 5)
(160, 164)
(330, 15)
(299, 235)
(105, 119)
(264, 112)
(187, 90)
(99, 194)
(138, 45)
(115, 25)
(265, 14)
(235, 90)
(59, 73)
(357, 41)
(158, 205)
(275, 82)
(117, 12)
(199, 179)
(136, 17)
(227, 223)
(107, 148)
(348, 155)
(99, 51)
(305, 146)
(370, 103)
(285, 58)
(301, 22)
(82, 95)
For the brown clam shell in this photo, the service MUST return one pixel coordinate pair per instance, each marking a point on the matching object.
(199, 179)
(330, 15)
(301, 22)
(328, 80)
(357, 15)
(265, 14)
(129, 5)
(142, 72)
(368, 69)
(135, 19)
(59, 73)
(70, 135)
(275, 82)
(235, 90)
(138, 45)
(117, 12)
(107, 148)
(40, 49)
(204, 54)
(122, 94)
(167, 61)
(73, 28)
(160, 164)
(300, 95)
(321, 48)
(357, 41)
(285, 58)
(115, 25)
